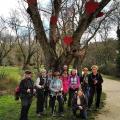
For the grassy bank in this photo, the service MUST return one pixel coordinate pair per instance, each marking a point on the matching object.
(10, 110)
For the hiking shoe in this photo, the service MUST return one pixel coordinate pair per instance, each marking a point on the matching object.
(53, 114)
(89, 109)
(39, 115)
(62, 115)
(96, 109)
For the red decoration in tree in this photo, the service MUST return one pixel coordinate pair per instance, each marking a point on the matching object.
(32, 2)
(68, 40)
(53, 20)
(91, 7)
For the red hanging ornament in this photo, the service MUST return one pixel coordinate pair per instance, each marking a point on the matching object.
(91, 7)
(32, 2)
(53, 20)
(68, 40)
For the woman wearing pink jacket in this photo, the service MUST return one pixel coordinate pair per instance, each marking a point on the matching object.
(74, 85)
(65, 82)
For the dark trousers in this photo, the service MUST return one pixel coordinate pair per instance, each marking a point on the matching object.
(65, 97)
(40, 101)
(83, 113)
(59, 98)
(71, 94)
(25, 103)
(46, 94)
(93, 91)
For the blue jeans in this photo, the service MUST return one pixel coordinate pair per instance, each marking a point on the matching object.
(87, 93)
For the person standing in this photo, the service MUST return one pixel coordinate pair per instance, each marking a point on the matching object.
(56, 88)
(41, 92)
(50, 78)
(84, 83)
(65, 82)
(74, 85)
(64, 69)
(26, 93)
(95, 81)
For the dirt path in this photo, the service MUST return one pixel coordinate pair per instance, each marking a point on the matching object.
(111, 111)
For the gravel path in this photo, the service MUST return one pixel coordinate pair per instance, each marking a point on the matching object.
(111, 111)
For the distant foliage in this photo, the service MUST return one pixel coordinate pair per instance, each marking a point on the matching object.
(109, 69)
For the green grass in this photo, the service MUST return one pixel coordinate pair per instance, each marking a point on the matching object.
(10, 110)
(12, 72)
(10, 77)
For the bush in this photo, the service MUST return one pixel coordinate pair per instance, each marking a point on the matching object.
(109, 69)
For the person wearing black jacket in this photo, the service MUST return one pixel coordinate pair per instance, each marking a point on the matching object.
(84, 83)
(95, 82)
(79, 102)
(26, 93)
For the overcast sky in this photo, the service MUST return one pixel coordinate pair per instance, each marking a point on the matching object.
(7, 5)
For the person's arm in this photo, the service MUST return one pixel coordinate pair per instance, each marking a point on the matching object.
(78, 81)
(61, 85)
(51, 88)
(81, 79)
(90, 81)
(85, 104)
(69, 82)
(74, 102)
(37, 84)
(100, 79)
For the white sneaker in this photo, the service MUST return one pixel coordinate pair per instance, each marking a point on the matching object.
(39, 115)
(53, 114)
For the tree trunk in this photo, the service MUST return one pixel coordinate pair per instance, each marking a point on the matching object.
(49, 52)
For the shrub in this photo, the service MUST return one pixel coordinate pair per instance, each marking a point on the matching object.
(108, 69)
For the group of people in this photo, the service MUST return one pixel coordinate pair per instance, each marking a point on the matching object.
(77, 91)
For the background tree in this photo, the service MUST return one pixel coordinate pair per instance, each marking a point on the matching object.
(118, 51)
(6, 40)
(25, 37)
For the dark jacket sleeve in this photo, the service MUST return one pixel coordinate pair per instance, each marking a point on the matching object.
(100, 79)
(81, 79)
(90, 81)
(74, 102)
(84, 104)
(22, 87)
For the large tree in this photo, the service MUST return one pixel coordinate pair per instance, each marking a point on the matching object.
(74, 12)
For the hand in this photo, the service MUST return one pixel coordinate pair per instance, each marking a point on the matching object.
(95, 82)
(86, 82)
(80, 107)
(28, 90)
(42, 86)
(34, 90)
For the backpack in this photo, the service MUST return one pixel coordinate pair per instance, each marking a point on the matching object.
(17, 93)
